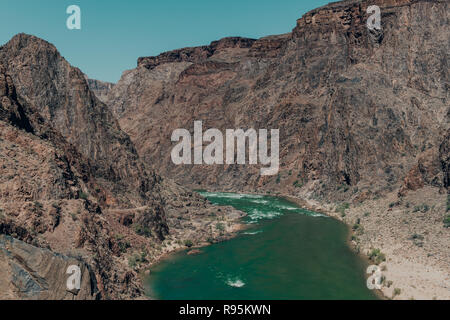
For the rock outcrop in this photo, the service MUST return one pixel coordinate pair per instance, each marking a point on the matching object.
(100, 88)
(72, 185)
(31, 273)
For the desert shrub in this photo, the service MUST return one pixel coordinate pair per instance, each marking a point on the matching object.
(278, 179)
(298, 184)
(119, 237)
(416, 236)
(188, 243)
(342, 208)
(38, 205)
(137, 259)
(397, 292)
(358, 228)
(220, 227)
(142, 230)
(82, 195)
(377, 256)
(447, 221)
(123, 245)
(132, 263)
(422, 208)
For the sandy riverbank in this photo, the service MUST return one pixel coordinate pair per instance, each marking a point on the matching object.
(411, 236)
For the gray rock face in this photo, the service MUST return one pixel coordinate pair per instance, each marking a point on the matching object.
(100, 88)
(32, 273)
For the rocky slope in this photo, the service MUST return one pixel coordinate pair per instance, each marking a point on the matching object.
(73, 188)
(100, 89)
(363, 115)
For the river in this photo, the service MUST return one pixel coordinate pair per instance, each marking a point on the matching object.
(287, 253)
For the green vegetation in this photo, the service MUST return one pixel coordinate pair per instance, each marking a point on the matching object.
(38, 205)
(188, 243)
(123, 245)
(278, 179)
(82, 195)
(418, 239)
(119, 237)
(397, 292)
(220, 227)
(142, 230)
(343, 187)
(298, 184)
(137, 259)
(416, 236)
(422, 208)
(448, 203)
(447, 221)
(358, 228)
(377, 256)
(342, 208)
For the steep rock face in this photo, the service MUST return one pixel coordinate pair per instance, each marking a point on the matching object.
(54, 196)
(43, 179)
(31, 273)
(354, 107)
(100, 88)
(62, 96)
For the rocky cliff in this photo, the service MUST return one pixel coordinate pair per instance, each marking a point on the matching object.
(28, 272)
(99, 88)
(73, 189)
(354, 106)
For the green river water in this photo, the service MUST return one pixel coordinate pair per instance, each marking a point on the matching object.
(287, 253)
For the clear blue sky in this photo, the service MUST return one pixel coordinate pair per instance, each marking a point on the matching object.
(116, 32)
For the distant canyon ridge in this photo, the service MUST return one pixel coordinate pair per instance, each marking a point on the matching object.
(356, 108)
